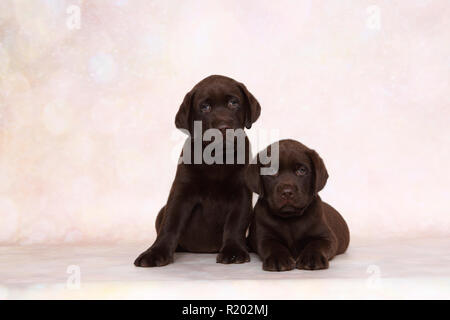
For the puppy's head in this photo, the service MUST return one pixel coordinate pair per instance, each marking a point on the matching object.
(218, 102)
(301, 175)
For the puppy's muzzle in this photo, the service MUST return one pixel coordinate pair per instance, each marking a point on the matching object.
(286, 191)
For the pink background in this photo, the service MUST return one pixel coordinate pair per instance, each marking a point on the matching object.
(87, 136)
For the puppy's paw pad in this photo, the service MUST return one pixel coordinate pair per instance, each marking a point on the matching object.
(233, 255)
(153, 258)
(279, 263)
(312, 260)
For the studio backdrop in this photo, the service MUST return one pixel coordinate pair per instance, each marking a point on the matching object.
(89, 91)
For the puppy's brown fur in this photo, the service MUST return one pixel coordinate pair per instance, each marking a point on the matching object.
(292, 227)
(209, 206)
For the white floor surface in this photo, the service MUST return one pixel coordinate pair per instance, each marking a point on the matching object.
(390, 269)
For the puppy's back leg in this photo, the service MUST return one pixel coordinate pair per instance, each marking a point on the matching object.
(339, 227)
(159, 219)
(158, 222)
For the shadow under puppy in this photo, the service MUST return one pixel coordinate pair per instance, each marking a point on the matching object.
(291, 226)
(209, 205)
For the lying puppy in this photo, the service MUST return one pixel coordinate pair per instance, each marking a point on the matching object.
(209, 205)
(292, 227)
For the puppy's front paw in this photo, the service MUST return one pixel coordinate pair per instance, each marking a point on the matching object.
(311, 259)
(154, 257)
(233, 254)
(279, 262)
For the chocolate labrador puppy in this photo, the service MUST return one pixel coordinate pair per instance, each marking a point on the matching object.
(292, 227)
(209, 205)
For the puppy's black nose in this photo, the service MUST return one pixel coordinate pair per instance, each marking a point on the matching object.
(287, 193)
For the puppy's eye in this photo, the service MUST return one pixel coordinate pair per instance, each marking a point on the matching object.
(233, 104)
(301, 171)
(205, 107)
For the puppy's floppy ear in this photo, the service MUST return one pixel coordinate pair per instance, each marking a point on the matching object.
(320, 172)
(253, 108)
(183, 114)
(253, 178)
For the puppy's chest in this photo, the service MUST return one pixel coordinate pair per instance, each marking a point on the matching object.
(291, 234)
(218, 199)
(218, 190)
(295, 234)
(212, 208)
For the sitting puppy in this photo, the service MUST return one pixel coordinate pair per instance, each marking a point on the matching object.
(292, 227)
(209, 205)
